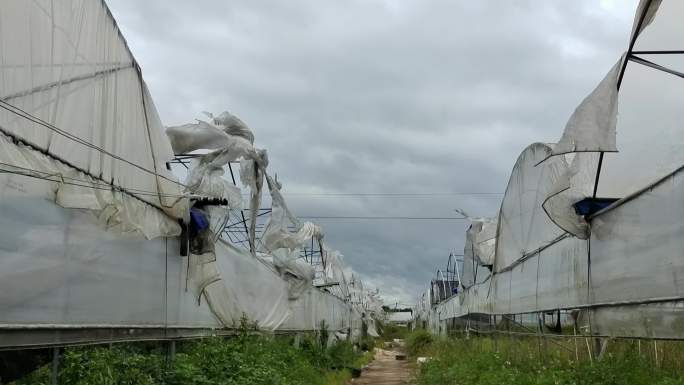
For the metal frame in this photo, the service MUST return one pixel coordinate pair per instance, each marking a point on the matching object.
(442, 282)
(631, 56)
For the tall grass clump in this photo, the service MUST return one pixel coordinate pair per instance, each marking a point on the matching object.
(418, 341)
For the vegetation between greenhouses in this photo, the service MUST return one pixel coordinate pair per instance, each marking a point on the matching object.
(509, 360)
(245, 359)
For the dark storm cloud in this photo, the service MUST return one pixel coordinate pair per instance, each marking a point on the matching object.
(381, 96)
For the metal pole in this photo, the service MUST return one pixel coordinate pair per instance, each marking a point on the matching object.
(621, 75)
(574, 332)
(54, 378)
(598, 174)
(242, 213)
(539, 337)
(458, 274)
(172, 351)
(496, 346)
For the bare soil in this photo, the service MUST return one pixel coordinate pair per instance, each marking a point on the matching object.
(385, 370)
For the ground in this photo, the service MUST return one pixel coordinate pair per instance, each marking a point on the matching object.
(385, 370)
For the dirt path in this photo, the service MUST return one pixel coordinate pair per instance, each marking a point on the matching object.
(385, 370)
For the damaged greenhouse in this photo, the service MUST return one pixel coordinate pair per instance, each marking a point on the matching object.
(589, 232)
(102, 242)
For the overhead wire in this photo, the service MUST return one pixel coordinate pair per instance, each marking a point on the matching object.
(18, 111)
(57, 177)
(380, 217)
(391, 194)
(88, 184)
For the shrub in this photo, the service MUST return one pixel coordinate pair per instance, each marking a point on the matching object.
(245, 359)
(418, 341)
(390, 332)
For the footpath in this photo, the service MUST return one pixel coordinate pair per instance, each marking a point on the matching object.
(385, 370)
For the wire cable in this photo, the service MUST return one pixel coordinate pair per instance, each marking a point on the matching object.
(381, 217)
(57, 177)
(19, 112)
(392, 194)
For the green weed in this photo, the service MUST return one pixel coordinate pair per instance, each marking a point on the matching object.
(483, 360)
(246, 359)
(418, 341)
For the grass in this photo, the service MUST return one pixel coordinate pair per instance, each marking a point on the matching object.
(391, 332)
(244, 360)
(418, 342)
(509, 360)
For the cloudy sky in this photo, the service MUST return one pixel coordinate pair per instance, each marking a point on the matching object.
(380, 96)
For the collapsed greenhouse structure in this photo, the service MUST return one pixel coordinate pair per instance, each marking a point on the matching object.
(101, 242)
(586, 235)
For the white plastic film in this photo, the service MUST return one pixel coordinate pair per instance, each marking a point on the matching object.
(523, 225)
(277, 234)
(62, 268)
(118, 212)
(650, 133)
(474, 271)
(573, 185)
(637, 248)
(75, 91)
(246, 288)
(592, 126)
(645, 13)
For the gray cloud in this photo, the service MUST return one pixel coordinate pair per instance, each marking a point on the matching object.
(381, 96)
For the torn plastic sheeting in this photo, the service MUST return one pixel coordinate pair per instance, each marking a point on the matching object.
(523, 224)
(334, 269)
(252, 172)
(473, 270)
(649, 15)
(485, 242)
(218, 134)
(277, 234)
(298, 274)
(91, 91)
(196, 136)
(370, 325)
(239, 285)
(482, 238)
(592, 125)
(206, 175)
(568, 188)
(117, 211)
(233, 125)
(232, 140)
(209, 181)
(279, 239)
